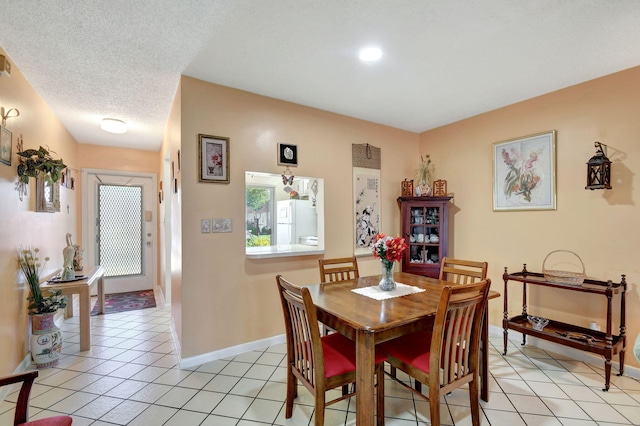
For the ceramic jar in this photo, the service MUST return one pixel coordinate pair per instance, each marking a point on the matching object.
(46, 340)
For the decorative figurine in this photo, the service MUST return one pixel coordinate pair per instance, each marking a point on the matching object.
(68, 273)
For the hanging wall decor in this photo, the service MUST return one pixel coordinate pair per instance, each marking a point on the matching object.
(524, 173)
(5, 146)
(287, 154)
(366, 196)
(213, 156)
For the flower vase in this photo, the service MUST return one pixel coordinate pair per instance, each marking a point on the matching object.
(387, 283)
(46, 340)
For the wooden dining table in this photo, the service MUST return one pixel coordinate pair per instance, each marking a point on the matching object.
(368, 322)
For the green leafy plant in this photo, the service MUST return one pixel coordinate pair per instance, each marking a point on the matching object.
(39, 163)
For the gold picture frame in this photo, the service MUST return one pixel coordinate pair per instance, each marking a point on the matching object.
(47, 196)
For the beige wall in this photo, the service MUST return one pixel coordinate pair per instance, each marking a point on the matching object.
(601, 226)
(227, 299)
(21, 225)
(121, 159)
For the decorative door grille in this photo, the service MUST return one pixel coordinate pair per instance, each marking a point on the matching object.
(120, 230)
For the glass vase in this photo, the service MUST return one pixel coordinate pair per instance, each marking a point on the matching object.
(387, 283)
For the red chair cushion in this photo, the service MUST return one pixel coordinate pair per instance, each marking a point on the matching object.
(50, 421)
(340, 355)
(413, 349)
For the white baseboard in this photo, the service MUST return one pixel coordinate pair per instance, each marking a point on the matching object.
(231, 351)
(577, 354)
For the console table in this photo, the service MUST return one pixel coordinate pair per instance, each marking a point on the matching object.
(94, 275)
(605, 343)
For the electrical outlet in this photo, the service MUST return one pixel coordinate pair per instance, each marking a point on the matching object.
(205, 226)
(221, 225)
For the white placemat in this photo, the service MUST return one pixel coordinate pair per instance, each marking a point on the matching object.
(375, 292)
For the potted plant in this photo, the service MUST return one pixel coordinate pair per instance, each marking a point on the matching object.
(39, 162)
(424, 176)
(46, 337)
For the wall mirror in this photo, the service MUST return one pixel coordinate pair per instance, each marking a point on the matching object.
(47, 195)
(284, 215)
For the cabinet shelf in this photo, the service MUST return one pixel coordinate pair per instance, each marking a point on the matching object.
(605, 343)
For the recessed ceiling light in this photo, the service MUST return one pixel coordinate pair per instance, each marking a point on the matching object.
(113, 125)
(369, 54)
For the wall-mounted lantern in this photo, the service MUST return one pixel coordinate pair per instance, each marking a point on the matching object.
(599, 169)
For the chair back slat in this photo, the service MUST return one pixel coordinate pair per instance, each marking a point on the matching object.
(458, 271)
(456, 332)
(338, 269)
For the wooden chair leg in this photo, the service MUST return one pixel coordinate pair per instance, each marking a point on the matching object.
(474, 390)
(320, 401)
(434, 406)
(291, 394)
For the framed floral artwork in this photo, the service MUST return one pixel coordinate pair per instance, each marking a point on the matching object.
(524, 173)
(213, 159)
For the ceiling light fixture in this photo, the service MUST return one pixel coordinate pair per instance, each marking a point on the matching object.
(369, 54)
(113, 125)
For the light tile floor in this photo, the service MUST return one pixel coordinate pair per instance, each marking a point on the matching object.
(130, 377)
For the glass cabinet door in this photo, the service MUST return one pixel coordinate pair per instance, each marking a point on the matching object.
(424, 234)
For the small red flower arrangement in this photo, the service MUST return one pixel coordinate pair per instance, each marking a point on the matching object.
(388, 248)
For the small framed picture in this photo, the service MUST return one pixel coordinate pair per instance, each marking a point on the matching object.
(287, 154)
(213, 159)
(5, 146)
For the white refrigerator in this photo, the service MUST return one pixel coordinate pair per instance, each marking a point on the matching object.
(297, 221)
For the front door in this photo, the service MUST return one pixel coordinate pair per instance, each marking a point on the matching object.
(119, 228)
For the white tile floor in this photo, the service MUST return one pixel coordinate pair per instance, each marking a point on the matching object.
(130, 377)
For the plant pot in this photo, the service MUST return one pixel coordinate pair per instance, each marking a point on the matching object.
(46, 340)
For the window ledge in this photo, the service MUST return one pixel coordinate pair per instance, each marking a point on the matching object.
(282, 251)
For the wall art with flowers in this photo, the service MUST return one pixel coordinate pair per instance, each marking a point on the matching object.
(213, 159)
(524, 173)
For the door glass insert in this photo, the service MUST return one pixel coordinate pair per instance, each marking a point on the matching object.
(120, 230)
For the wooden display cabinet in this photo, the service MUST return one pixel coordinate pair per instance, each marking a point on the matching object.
(605, 344)
(425, 228)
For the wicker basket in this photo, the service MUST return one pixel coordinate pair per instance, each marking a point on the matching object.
(563, 277)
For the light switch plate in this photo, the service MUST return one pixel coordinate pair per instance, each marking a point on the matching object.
(222, 225)
(205, 226)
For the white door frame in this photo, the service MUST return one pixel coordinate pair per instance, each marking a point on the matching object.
(87, 229)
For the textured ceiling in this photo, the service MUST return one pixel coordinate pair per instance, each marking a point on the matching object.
(444, 60)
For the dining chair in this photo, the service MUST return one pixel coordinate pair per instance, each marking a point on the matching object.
(447, 357)
(460, 271)
(338, 269)
(22, 405)
(457, 271)
(320, 363)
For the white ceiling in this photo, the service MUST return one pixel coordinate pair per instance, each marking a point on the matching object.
(444, 60)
